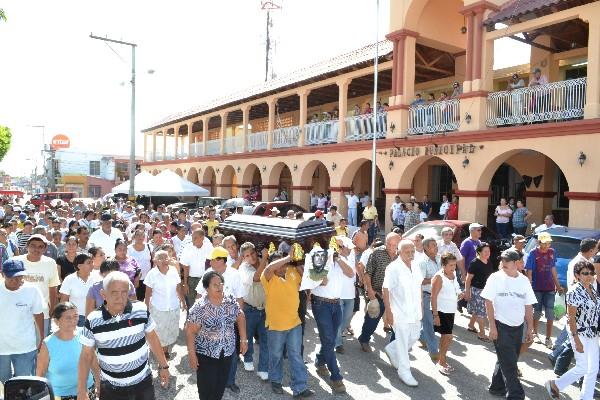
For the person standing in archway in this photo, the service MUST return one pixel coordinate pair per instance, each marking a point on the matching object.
(370, 214)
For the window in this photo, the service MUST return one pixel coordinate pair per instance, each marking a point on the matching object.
(93, 190)
(95, 168)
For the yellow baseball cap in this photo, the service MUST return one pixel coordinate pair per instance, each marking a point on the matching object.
(544, 237)
(218, 252)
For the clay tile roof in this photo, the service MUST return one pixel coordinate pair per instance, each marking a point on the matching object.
(516, 8)
(358, 57)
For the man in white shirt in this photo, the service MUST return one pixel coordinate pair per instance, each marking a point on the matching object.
(347, 255)
(396, 211)
(106, 236)
(444, 207)
(548, 224)
(313, 201)
(587, 251)
(22, 318)
(127, 213)
(193, 262)
(364, 200)
(180, 240)
(403, 310)
(353, 201)
(508, 301)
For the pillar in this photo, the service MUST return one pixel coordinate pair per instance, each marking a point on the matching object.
(592, 92)
(191, 141)
(165, 131)
(245, 121)
(338, 198)
(301, 196)
(153, 146)
(222, 132)
(303, 94)
(205, 134)
(272, 104)
(343, 108)
(269, 192)
(145, 146)
(176, 132)
(584, 209)
(473, 205)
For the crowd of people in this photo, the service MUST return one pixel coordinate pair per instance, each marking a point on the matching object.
(88, 293)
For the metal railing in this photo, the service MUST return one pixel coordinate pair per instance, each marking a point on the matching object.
(258, 141)
(286, 137)
(233, 144)
(149, 156)
(213, 147)
(439, 116)
(159, 156)
(197, 149)
(183, 153)
(170, 155)
(360, 127)
(322, 132)
(556, 101)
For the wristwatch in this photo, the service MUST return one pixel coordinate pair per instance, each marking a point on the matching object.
(163, 367)
(244, 341)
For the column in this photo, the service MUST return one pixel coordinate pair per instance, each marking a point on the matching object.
(584, 209)
(301, 196)
(176, 131)
(205, 134)
(153, 146)
(191, 140)
(165, 131)
(338, 199)
(271, 103)
(343, 108)
(303, 94)
(473, 205)
(145, 147)
(592, 91)
(222, 133)
(245, 121)
(269, 192)
(469, 53)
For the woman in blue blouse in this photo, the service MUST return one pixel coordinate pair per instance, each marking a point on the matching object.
(210, 336)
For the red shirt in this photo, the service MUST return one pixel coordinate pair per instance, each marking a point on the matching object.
(452, 211)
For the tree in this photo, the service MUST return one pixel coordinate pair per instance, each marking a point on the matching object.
(5, 138)
(2, 15)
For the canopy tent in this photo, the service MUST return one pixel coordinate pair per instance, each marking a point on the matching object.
(144, 185)
(168, 183)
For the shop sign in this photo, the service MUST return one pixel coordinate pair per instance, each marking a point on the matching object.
(60, 142)
(434, 150)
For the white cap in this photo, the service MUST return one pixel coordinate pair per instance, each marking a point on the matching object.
(346, 242)
(475, 225)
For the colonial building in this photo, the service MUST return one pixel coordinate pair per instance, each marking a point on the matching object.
(536, 139)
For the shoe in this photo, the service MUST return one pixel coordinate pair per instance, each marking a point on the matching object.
(350, 331)
(408, 379)
(390, 351)
(248, 366)
(434, 358)
(322, 371)
(304, 394)
(422, 344)
(263, 375)
(338, 386)
(548, 343)
(472, 330)
(365, 347)
(234, 388)
(446, 369)
(536, 339)
(552, 360)
(276, 388)
(340, 350)
(551, 391)
(497, 393)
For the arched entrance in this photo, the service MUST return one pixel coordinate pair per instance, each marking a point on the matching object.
(357, 177)
(209, 180)
(252, 181)
(280, 179)
(316, 176)
(192, 175)
(228, 183)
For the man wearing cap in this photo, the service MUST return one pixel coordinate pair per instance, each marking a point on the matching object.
(320, 216)
(541, 271)
(403, 309)
(508, 301)
(41, 272)
(193, 262)
(232, 285)
(22, 322)
(518, 243)
(106, 236)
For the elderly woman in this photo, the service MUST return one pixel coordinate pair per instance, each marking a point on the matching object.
(58, 356)
(127, 264)
(210, 336)
(142, 253)
(583, 310)
(164, 298)
(76, 286)
(477, 274)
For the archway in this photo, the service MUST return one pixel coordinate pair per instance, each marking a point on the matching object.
(179, 172)
(280, 179)
(228, 183)
(316, 176)
(357, 177)
(192, 175)
(252, 181)
(209, 180)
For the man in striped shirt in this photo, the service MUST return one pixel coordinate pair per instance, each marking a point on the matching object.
(120, 333)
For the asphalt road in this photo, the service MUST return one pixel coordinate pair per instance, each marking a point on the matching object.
(370, 376)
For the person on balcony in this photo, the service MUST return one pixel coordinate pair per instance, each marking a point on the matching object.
(514, 83)
(456, 90)
(418, 100)
(539, 101)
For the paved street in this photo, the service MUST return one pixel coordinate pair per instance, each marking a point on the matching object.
(369, 375)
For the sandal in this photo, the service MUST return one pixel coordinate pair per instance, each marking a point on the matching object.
(472, 330)
(484, 339)
(446, 369)
(551, 391)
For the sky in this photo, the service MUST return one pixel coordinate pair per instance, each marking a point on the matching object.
(54, 74)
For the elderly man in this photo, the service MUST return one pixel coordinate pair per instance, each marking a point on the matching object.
(193, 262)
(548, 224)
(124, 365)
(403, 310)
(429, 265)
(373, 282)
(106, 236)
(446, 245)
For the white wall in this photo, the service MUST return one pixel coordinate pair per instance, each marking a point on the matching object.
(73, 162)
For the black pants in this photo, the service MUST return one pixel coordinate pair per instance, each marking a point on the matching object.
(302, 314)
(140, 291)
(141, 391)
(211, 376)
(508, 345)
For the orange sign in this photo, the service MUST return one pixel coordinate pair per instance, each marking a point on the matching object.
(60, 142)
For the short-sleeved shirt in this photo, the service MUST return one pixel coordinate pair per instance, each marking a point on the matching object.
(370, 213)
(396, 210)
(94, 293)
(429, 268)
(231, 287)
(66, 267)
(164, 288)
(468, 249)
(254, 293)
(195, 258)
(411, 219)
(518, 218)
(42, 274)
(18, 333)
(282, 300)
(509, 295)
(451, 248)
(588, 309)
(217, 333)
(352, 201)
(375, 268)
(77, 290)
(334, 218)
(210, 227)
(481, 272)
(100, 239)
(404, 287)
(120, 342)
(130, 267)
(541, 265)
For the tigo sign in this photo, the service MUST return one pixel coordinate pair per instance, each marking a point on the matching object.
(60, 142)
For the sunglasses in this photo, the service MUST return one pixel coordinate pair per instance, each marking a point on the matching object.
(587, 273)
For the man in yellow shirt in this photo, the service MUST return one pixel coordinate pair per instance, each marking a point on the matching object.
(370, 214)
(211, 223)
(281, 282)
(342, 229)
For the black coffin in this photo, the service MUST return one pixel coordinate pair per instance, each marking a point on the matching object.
(263, 230)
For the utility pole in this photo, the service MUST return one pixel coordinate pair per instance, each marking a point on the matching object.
(375, 110)
(132, 138)
(51, 172)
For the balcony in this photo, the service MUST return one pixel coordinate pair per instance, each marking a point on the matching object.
(213, 147)
(159, 156)
(556, 101)
(258, 141)
(360, 127)
(323, 132)
(436, 117)
(197, 149)
(286, 137)
(149, 156)
(233, 144)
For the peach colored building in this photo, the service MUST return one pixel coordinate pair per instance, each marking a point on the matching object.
(536, 139)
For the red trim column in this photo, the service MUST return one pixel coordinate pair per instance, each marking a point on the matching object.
(469, 53)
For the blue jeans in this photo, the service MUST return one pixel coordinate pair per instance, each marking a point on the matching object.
(427, 333)
(352, 217)
(502, 229)
(255, 323)
(81, 321)
(328, 317)
(370, 324)
(22, 364)
(545, 302)
(372, 231)
(234, 358)
(292, 341)
(347, 311)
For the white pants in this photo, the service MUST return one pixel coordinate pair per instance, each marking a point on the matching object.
(406, 336)
(586, 365)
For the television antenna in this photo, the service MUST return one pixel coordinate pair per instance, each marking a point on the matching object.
(269, 6)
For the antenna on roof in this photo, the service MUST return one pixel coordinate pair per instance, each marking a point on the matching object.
(270, 43)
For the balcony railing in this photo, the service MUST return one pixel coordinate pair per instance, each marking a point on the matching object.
(323, 132)
(440, 116)
(159, 156)
(213, 147)
(360, 127)
(197, 149)
(233, 144)
(556, 101)
(286, 137)
(149, 156)
(170, 155)
(258, 141)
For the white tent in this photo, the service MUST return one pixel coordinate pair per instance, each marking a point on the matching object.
(144, 185)
(168, 183)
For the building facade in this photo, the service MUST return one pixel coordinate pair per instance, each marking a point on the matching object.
(534, 137)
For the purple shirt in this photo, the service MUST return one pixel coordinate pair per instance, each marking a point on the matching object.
(541, 265)
(468, 249)
(130, 267)
(94, 293)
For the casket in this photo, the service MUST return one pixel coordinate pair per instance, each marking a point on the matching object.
(263, 230)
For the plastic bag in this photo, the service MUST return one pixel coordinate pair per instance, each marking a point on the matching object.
(560, 306)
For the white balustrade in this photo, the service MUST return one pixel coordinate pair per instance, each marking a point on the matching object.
(554, 101)
(159, 156)
(233, 144)
(322, 132)
(197, 149)
(286, 137)
(213, 147)
(258, 141)
(360, 127)
(170, 155)
(439, 116)
(149, 156)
